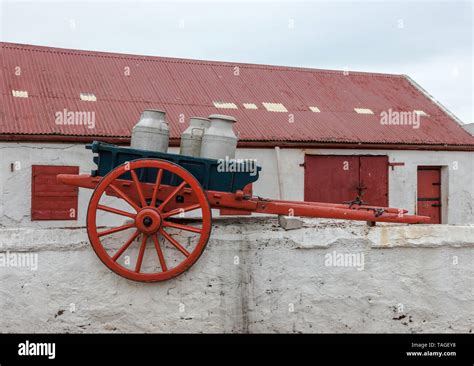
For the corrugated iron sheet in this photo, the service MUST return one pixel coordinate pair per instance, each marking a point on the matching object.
(124, 85)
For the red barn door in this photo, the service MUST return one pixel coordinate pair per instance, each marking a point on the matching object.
(339, 178)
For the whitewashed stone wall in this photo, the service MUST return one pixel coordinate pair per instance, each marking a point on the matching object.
(253, 277)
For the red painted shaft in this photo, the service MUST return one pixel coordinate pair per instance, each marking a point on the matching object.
(227, 200)
(345, 205)
(364, 214)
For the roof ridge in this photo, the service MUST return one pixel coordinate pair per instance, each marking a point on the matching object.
(118, 55)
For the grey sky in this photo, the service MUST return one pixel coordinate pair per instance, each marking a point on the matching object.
(430, 41)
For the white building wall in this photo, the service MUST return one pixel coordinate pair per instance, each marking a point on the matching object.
(15, 187)
(457, 178)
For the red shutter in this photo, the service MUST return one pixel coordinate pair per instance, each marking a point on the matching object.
(50, 199)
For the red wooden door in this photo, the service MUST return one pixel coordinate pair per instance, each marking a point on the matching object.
(330, 178)
(373, 179)
(429, 193)
(339, 178)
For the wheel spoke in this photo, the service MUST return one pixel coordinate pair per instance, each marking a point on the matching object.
(174, 242)
(125, 197)
(159, 176)
(170, 197)
(177, 211)
(160, 253)
(182, 227)
(141, 253)
(138, 187)
(116, 211)
(116, 229)
(125, 246)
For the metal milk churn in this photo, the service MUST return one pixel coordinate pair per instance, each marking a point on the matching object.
(191, 138)
(219, 140)
(151, 132)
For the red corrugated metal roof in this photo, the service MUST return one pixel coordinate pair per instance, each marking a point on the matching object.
(54, 79)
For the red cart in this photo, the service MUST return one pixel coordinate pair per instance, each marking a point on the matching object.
(160, 206)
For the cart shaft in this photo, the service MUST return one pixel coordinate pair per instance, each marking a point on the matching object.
(249, 204)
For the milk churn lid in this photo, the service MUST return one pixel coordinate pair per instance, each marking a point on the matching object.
(200, 118)
(223, 116)
(154, 110)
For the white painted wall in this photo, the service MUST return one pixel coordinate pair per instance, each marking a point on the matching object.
(414, 279)
(458, 178)
(15, 187)
(469, 127)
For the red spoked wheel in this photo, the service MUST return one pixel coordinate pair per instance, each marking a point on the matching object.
(150, 215)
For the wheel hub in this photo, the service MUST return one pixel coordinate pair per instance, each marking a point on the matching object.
(148, 220)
